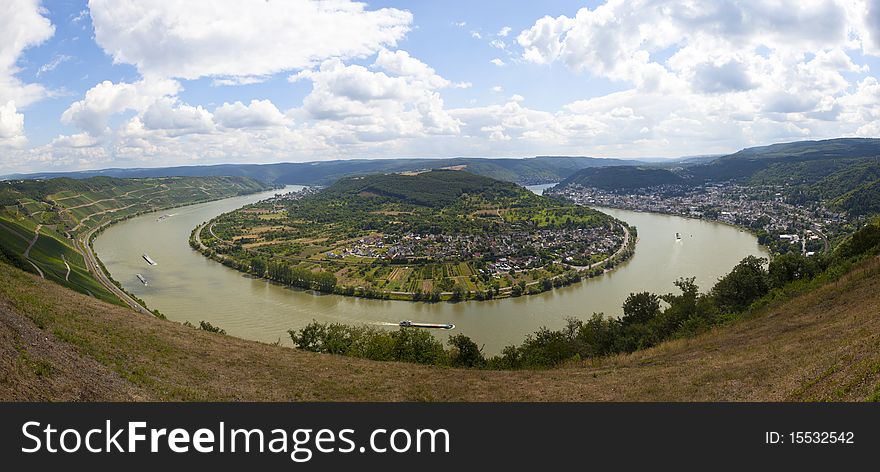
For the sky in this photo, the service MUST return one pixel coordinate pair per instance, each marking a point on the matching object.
(149, 83)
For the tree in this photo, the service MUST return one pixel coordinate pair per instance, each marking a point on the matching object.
(258, 266)
(465, 352)
(744, 284)
(458, 292)
(640, 308)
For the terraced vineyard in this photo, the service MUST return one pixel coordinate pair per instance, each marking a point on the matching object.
(46, 226)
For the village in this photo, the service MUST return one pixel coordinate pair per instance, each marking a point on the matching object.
(779, 225)
(502, 252)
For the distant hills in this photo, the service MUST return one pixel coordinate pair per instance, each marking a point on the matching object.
(524, 171)
(843, 172)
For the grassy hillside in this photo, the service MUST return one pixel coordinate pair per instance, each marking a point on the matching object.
(41, 221)
(58, 345)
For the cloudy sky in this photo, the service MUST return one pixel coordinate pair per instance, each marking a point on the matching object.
(143, 83)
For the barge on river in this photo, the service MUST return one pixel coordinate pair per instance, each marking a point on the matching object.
(412, 324)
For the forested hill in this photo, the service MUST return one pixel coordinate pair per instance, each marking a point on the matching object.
(435, 189)
(624, 178)
(525, 171)
(845, 173)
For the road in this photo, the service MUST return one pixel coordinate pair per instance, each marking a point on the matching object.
(27, 252)
(82, 245)
(67, 275)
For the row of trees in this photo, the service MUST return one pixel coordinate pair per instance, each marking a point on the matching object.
(405, 345)
(286, 274)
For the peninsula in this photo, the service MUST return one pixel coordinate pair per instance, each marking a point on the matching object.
(422, 236)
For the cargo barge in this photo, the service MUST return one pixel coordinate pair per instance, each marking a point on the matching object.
(412, 324)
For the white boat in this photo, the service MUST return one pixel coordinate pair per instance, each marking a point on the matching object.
(142, 279)
(149, 261)
(677, 236)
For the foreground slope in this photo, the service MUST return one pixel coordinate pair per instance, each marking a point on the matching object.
(56, 344)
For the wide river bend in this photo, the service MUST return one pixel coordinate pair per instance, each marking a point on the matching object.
(186, 286)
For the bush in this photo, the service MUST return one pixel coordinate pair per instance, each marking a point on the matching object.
(206, 326)
(406, 344)
(465, 352)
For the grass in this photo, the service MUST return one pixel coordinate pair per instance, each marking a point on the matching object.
(819, 345)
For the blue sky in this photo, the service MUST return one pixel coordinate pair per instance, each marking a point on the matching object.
(152, 83)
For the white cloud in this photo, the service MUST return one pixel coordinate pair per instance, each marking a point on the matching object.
(353, 103)
(258, 114)
(234, 81)
(504, 31)
(177, 119)
(83, 14)
(230, 38)
(11, 125)
(497, 89)
(22, 25)
(872, 27)
(53, 64)
(498, 44)
(400, 63)
(476, 35)
(91, 114)
(79, 140)
(497, 61)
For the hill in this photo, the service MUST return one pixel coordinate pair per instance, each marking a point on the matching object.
(623, 178)
(525, 171)
(58, 345)
(46, 225)
(434, 189)
(435, 235)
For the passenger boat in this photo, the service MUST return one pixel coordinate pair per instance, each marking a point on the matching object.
(411, 324)
(149, 261)
(142, 279)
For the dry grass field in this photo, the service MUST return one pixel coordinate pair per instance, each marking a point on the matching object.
(56, 344)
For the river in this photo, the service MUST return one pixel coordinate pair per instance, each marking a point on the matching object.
(186, 286)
